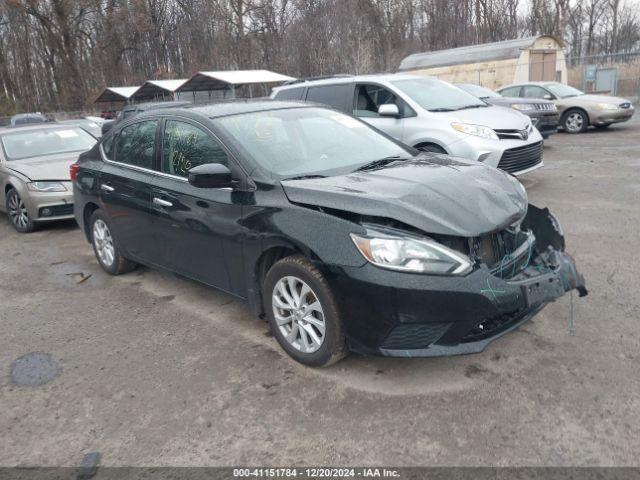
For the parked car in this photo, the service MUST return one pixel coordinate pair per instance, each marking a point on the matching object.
(344, 238)
(543, 113)
(34, 172)
(577, 109)
(89, 125)
(430, 115)
(136, 108)
(27, 118)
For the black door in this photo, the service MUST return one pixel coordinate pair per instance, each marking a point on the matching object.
(197, 229)
(125, 187)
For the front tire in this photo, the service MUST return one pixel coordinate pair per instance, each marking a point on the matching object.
(17, 212)
(575, 121)
(106, 247)
(303, 312)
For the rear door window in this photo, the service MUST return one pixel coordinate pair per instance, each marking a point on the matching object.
(135, 144)
(290, 94)
(334, 96)
(510, 92)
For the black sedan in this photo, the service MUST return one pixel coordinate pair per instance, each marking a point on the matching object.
(543, 113)
(342, 237)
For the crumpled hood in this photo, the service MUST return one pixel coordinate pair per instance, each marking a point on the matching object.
(493, 116)
(437, 194)
(49, 167)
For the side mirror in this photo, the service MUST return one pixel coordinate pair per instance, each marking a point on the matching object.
(548, 96)
(211, 175)
(388, 110)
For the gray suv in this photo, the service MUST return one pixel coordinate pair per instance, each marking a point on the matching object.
(430, 115)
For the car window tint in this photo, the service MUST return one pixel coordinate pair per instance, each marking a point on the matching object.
(370, 97)
(290, 94)
(533, 91)
(334, 96)
(107, 146)
(510, 92)
(185, 146)
(135, 143)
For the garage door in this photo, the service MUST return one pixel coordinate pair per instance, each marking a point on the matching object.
(542, 66)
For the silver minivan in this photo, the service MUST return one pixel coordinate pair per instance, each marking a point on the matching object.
(430, 115)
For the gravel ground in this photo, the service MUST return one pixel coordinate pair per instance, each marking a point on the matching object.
(159, 370)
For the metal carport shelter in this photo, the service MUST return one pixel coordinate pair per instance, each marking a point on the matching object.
(115, 94)
(225, 83)
(158, 89)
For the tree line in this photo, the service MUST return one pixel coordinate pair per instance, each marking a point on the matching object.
(58, 54)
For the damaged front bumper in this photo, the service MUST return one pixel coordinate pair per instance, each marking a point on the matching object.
(412, 315)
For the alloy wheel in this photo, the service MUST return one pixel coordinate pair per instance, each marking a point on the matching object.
(574, 122)
(103, 242)
(17, 211)
(298, 314)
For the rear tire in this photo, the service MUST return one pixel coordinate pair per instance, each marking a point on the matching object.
(303, 312)
(575, 121)
(17, 213)
(106, 247)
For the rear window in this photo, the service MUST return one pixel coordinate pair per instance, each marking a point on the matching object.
(37, 143)
(290, 94)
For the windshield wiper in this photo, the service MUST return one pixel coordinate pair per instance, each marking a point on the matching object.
(473, 106)
(380, 162)
(305, 177)
(443, 109)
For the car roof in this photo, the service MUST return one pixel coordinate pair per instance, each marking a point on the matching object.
(154, 105)
(33, 126)
(523, 84)
(235, 107)
(378, 77)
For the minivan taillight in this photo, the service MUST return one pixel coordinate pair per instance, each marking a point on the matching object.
(73, 171)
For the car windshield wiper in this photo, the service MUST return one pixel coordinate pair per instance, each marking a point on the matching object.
(442, 109)
(305, 177)
(380, 162)
(482, 105)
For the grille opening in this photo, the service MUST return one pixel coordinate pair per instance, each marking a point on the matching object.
(521, 158)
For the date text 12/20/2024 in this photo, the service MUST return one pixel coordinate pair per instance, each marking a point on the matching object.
(319, 472)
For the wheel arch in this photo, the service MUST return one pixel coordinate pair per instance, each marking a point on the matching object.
(262, 265)
(430, 142)
(87, 211)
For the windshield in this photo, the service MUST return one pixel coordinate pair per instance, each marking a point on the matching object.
(36, 143)
(478, 91)
(437, 96)
(309, 141)
(563, 91)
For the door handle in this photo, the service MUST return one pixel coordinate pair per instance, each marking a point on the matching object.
(107, 188)
(161, 202)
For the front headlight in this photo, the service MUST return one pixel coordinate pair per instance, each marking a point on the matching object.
(477, 130)
(411, 254)
(523, 107)
(606, 106)
(46, 187)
